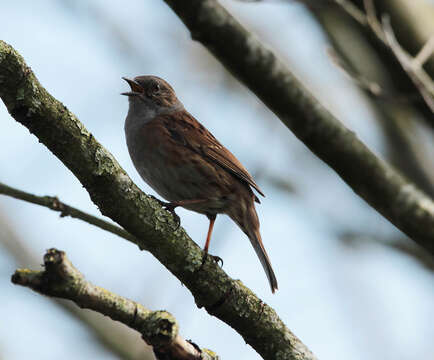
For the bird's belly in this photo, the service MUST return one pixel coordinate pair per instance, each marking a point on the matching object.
(178, 178)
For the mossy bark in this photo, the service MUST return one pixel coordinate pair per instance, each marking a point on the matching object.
(375, 181)
(119, 198)
(159, 329)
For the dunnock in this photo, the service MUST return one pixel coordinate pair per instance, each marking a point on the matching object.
(185, 164)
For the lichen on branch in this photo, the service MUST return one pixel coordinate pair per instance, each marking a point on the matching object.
(159, 329)
(257, 67)
(119, 198)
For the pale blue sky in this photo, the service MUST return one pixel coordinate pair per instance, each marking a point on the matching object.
(344, 303)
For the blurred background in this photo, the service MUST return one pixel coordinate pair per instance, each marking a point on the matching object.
(351, 286)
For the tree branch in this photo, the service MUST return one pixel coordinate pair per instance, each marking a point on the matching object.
(412, 22)
(399, 117)
(118, 197)
(264, 74)
(413, 66)
(159, 329)
(112, 336)
(53, 203)
(415, 72)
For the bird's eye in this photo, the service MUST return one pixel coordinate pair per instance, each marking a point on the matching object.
(153, 90)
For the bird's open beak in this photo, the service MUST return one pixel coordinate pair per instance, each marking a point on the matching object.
(136, 88)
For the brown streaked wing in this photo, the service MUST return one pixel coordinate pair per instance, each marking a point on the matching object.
(187, 131)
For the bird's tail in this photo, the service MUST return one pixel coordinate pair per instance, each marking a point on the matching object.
(249, 223)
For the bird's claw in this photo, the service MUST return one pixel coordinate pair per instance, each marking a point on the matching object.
(170, 207)
(216, 259)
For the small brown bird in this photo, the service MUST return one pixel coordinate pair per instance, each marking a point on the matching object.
(185, 164)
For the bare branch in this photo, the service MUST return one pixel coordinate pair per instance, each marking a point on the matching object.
(424, 54)
(61, 279)
(399, 111)
(119, 198)
(352, 10)
(384, 33)
(258, 68)
(371, 87)
(112, 336)
(53, 203)
(372, 20)
(413, 67)
(369, 20)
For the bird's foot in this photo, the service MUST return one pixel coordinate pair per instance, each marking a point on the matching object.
(216, 259)
(170, 207)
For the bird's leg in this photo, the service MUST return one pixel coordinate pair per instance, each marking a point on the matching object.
(171, 206)
(208, 239)
(208, 236)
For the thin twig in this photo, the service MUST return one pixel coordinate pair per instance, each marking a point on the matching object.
(371, 87)
(372, 20)
(353, 11)
(384, 33)
(117, 197)
(112, 337)
(60, 279)
(265, 75)
(424, 54)
(417, 74)
(53, 203)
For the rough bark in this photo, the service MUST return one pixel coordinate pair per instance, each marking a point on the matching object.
(374, 74)
(53, 203)
(60, 279)
(375, 181)
(119, 198)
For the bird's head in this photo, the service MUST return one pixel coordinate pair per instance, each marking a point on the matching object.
(151, 93)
